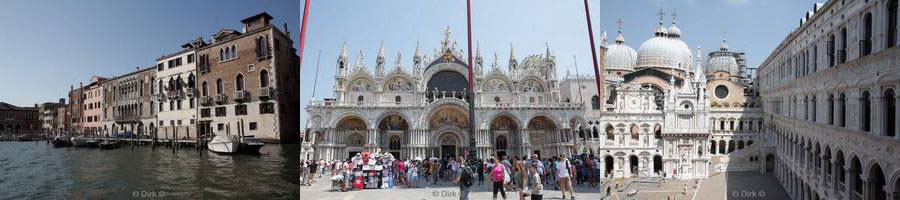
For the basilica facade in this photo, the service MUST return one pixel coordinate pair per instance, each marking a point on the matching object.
(655, 117)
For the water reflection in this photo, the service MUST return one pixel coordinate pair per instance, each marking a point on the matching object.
(37, 171)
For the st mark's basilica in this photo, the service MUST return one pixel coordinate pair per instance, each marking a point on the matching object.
(662, 113)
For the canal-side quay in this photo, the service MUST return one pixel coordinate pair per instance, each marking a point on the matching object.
(36, 170)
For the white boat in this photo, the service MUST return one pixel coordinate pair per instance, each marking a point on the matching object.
(251, 144)
(223, 144)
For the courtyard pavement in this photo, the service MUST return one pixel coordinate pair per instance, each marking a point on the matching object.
(719, 186)
(321, 190)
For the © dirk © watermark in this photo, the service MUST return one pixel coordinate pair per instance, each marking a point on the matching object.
(445, 194)
(148, 194)
(748, 194)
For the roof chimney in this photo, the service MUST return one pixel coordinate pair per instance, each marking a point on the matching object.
(286, 31)
(257, 21)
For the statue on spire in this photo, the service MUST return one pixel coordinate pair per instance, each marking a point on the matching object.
(379, 61)
(417, 61)
(513, 63)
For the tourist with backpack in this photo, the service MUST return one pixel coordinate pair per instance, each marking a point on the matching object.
(465, 177)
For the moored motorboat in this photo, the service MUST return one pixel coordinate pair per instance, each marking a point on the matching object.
(250, 145)
(80, 141)
(62, 141)
(108, 144)
(223, 144)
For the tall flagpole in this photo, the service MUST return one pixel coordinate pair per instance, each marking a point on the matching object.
(303, 44)
(316, 79)
(597, 77)
(471, 96)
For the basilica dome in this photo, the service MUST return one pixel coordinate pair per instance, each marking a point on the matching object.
(660, 51)
(722, 60)
(620, 56)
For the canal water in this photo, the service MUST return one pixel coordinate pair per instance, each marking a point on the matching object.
(34, 170)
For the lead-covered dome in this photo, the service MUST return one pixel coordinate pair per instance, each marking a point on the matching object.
(722, 60)
(620, 56)
(659, 51)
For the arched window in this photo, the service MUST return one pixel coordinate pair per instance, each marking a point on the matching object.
(865, 110)
(261, 48)
(634, 132)
(204, 89)
(610, 135)
(813, 108)
(842, 56)
(831, 52)
(866, 44)
(233, 52)
(219, 86)
(264, 78)
(397, 99)
(890, 104)
(891, 23)
(222, 54)
(239, 83)
(161, 86)
(192, 81)
(595, 102)
(178, 83)
(830, 109)
(843, 120)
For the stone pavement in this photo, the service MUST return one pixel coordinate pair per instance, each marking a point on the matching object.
(720, 186)
(321, 190)
(741, 186)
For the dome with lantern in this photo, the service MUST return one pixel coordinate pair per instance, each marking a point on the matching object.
(660, 51)
(722, 60)
(620, 56)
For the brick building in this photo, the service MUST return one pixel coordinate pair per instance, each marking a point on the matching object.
(18, 120)
(249, 82)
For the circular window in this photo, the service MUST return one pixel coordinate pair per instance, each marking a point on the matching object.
(497, 99)
(721, 92)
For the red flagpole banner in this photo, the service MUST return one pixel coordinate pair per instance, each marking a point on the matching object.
(303, 30)
(587, 14)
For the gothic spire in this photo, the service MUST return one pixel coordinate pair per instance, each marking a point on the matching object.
(513, 63)
(379, 61)
(343, 51)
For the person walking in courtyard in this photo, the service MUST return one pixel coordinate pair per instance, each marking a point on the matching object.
(498, 177)
(534, 181)
(465, 178)
(565, 171)
(479, 168)
(521, 178)
(313, 166)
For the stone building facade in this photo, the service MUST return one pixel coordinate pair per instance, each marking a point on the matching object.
(249, 82)
(175, 93)
(654, 117)
(18, 120)
(93, 106)
(830, 103)
(49, 114)
(128, 110)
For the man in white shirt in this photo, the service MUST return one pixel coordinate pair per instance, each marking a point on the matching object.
(563, 167)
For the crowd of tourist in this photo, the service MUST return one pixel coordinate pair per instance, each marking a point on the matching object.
(526, 177)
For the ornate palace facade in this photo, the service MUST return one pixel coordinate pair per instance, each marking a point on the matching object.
(656, 121)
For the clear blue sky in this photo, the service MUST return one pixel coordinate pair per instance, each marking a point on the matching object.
(49, 45)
